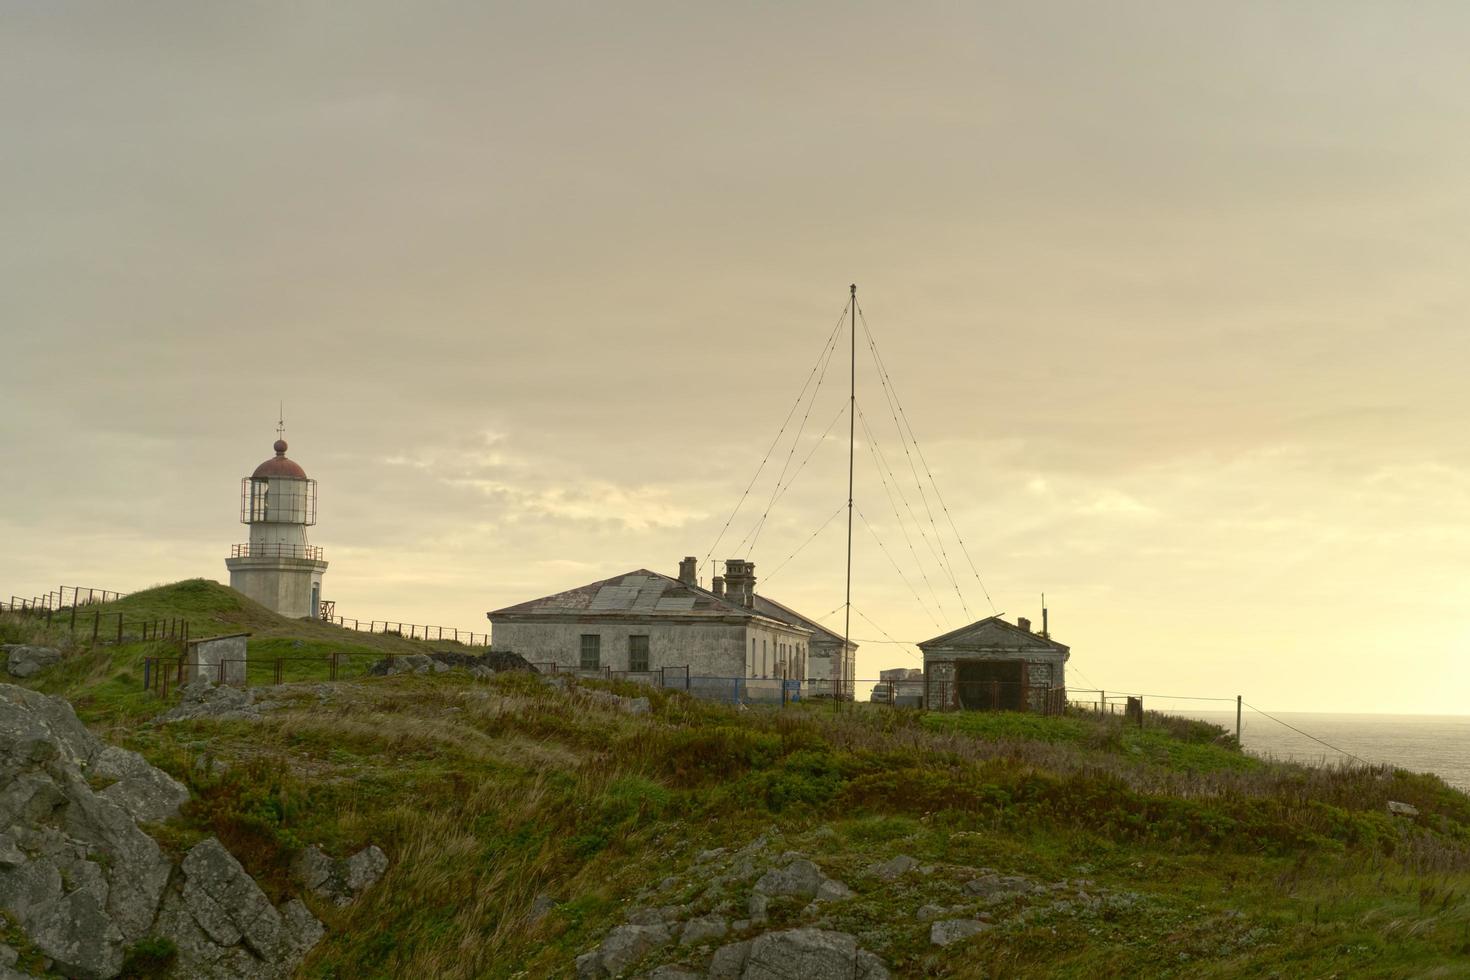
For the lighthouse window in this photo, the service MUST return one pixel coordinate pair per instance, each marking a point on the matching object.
(591, 651)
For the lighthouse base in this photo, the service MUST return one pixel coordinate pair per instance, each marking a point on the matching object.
(288, 586)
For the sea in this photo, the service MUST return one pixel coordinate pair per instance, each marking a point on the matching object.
(1420, 743)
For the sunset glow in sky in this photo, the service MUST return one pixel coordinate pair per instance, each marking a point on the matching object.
(1173, 294)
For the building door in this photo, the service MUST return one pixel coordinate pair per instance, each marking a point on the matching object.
(316, 600)
(991, 685)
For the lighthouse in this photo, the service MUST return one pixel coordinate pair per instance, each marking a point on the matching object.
(277, 567)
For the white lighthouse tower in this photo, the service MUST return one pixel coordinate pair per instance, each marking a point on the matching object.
(277, 567)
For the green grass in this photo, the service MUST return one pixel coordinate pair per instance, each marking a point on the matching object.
(486, 795)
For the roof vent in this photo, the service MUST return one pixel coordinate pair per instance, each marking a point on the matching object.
(1024, 623)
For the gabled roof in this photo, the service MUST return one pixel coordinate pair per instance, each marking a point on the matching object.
(637, 593)
(774, 609)
(993, 631)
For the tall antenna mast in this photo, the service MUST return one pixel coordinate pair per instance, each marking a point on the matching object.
(851, 432)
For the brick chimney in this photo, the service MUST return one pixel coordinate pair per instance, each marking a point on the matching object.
(688, 571)
(1024, 623)
(717, 585)
(740, 581)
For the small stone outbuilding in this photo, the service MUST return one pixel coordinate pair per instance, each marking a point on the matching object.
(993, 665)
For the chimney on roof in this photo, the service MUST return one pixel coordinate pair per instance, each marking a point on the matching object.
(717, 586)
(1045, 629)
(1024, 623)
(740, 581)
(688, 571)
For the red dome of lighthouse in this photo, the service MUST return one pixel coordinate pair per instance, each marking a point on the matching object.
(279, 467)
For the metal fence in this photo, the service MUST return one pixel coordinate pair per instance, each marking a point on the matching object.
(64, 597)
(95, 625)
(412, 631)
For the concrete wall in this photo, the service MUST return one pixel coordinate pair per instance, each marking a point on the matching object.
(720, 649)
(204, 657)
(282, 585)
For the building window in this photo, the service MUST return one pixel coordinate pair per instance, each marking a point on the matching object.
(638, 653)
(591, 651)
(752, 657)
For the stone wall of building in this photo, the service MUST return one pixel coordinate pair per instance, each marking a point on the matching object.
(721, 649)
(205, 656)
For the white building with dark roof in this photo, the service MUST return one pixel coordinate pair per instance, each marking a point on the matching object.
(643, 622)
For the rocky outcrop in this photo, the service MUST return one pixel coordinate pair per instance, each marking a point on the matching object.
(811, 954)
(201, 699)
(225, 927)
(76, 874)
(486, 664)
(82, 881)
(22, 660)
(340, 881)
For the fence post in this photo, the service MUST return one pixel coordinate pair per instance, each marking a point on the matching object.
(74, 614)
(96, 622)
(1238, 700)
(686, 677)
(147, 671)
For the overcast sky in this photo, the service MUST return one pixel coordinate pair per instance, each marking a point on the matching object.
(1173, 295)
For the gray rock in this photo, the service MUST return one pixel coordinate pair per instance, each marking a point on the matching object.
(1402, 809)
(928, 913)
(729, 961)
(225, 927)
(542, 905)
(801, 879)
(365, 868)
(148, 793)
(341, 882)
(589, 966)
(709, 855)
(202, 699)
(811, 954)
(77, 876)
(673, 973)
(870, 967)
(626, 945)
(26, 661)
(996, 888)
(832, 890)
(894, 868)
(757, 905)
(703, 929)
(947, 931)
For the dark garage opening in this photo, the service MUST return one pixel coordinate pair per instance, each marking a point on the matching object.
(992, 685)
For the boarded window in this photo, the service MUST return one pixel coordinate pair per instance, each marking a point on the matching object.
(637, 653)
(591, 651)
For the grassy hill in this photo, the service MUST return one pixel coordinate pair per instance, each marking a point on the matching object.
(524, 821)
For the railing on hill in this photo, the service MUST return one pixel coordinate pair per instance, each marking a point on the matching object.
(58, 599)
(99, 627)
(413, 631)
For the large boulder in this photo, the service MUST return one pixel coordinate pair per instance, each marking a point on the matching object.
(225, 927)
(77, 876)
(22, 660)
(811, 954)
